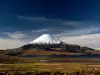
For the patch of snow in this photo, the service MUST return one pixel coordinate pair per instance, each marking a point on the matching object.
(46, 39)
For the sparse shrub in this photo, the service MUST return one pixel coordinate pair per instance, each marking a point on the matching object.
(8, 73)
(28, 73)
(58, 73)
(1, 73)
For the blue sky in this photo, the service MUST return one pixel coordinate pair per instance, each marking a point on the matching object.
(24, 20)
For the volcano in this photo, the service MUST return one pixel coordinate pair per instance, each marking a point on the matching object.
(46, 39)
(47, 44)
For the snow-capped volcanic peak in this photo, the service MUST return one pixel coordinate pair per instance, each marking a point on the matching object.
(46, 39)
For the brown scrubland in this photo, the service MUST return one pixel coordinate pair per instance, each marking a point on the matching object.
(19, 65)
(49, 69)
(14, 65)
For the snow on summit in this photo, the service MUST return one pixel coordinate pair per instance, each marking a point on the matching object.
(46, 39)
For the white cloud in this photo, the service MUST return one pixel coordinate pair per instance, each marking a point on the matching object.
(63, 22)
(40, 30)
(16, 35)
(36, 19)
(11, 43)
(73, 23)
(79, 32)
(84, 31)
(90, 40)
